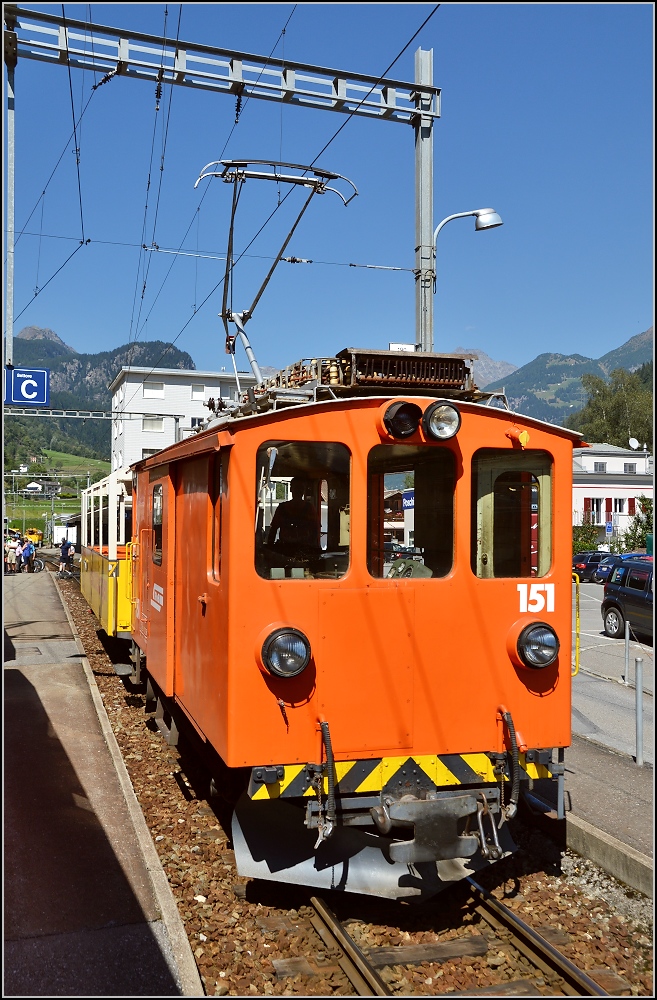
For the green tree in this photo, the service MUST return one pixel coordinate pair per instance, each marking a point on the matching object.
(640, 525)
(585, 536)
(617, 410)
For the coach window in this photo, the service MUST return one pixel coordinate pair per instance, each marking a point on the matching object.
(302, 510)
(218, 491)
(511, 534)
(410, 511)
(157, 525)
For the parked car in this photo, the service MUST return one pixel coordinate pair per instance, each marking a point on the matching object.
(629, 597)
(585, 563)
(603, 570)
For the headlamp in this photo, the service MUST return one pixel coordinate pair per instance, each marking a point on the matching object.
(401, 420)
(286, 652)
(441, 421)
(538, 646)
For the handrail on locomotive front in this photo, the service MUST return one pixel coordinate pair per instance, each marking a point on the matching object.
(577, 625)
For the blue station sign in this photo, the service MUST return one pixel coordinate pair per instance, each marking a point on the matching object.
(27, 387)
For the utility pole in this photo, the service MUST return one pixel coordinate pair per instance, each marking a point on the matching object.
(425, 256)
(11, 58)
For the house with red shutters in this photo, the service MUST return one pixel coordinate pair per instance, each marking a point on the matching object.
(607, 484)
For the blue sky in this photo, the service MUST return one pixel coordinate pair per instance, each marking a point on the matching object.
(547, 116)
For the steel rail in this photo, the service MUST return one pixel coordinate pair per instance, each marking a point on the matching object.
(574, 977)
(358, 970)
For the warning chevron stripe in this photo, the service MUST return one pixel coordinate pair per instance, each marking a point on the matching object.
(401, 775)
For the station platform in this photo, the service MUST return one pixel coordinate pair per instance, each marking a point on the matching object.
(88, 909)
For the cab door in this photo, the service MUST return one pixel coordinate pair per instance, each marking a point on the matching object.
(199, 642)
(156, 541)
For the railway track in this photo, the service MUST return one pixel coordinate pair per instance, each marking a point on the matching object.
(252, 939)
(543, 955)
(554, 970)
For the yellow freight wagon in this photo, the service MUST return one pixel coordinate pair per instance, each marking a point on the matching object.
(106, 554)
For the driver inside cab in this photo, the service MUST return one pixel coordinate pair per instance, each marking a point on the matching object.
(294, 530)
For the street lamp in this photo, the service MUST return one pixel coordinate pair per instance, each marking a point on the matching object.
(485, 218)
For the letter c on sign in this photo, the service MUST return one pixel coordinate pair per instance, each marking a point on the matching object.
(24, 385)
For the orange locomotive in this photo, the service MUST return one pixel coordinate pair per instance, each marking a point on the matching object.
(383, 715)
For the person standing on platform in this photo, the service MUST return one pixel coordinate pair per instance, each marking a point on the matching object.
(28, 555)
(19, 555)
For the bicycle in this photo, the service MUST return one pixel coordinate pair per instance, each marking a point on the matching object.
(38, 565)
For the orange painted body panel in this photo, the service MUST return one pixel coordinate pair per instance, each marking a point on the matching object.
(153, 615)
(405, 666)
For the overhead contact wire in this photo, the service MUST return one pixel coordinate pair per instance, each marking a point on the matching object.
(75, 135)
(143, 276)
(374, 86)
(194, 313)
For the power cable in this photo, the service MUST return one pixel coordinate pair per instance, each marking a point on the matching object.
(36, 280)
(374, 86)
(77, 146)
(239, 108)
(61, 157)
(197, 210)
(164, 138)
(158, 97)
(38, 292)
(350, 115)
(207, 255)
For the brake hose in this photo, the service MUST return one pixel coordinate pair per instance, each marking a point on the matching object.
(330, 801)
(512, 807)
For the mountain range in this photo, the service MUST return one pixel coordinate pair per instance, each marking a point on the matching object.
(485, 369)
(549, 387)
(87, 376)
(77, 382)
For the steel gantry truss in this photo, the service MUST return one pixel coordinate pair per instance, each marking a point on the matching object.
(79, 44)
(116, 52)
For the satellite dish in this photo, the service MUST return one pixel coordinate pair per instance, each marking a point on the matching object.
(633, 443)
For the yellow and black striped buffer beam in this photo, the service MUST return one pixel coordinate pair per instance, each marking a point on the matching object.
(397, 775)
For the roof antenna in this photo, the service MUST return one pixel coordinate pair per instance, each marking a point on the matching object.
(236, 172)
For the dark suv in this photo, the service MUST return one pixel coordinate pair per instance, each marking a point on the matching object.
(586, 563)
(628, 597)
(607, 565)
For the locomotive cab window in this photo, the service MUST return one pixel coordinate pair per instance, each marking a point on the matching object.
(302, 510)
(157, 525)
(410, 511)
(511, 513)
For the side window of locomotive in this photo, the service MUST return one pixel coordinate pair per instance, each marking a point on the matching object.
(218, 488)
(302, 510)
(157, 525)
(511, 534)
(410, 511)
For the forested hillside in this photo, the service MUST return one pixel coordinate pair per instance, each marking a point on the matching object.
(551, 387)
(617, 410)
(77, 382)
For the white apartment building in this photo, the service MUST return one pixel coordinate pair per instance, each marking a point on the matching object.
(607, 482)
(153, 408)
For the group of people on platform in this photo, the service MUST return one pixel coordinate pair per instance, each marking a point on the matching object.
(19, 554)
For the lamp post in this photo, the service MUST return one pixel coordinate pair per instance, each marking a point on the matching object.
(485, 218)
